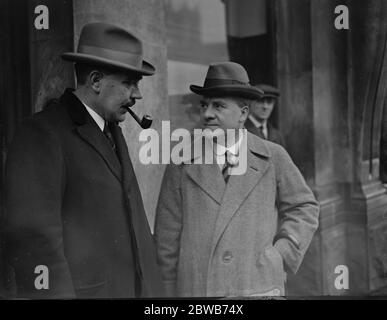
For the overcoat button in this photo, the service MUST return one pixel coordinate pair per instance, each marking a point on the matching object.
(227, 256)
(276, 292)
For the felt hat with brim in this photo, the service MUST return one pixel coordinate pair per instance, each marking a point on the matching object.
(103, 44)
(227, 78)
(268, 91)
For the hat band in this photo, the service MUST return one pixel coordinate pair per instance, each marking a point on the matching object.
(128, 58)
(220, 82)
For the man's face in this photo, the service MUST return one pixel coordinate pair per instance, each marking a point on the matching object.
(116, 91)
(261, 109)
(222, 113)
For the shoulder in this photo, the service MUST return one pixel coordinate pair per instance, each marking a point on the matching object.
(280, 156)
(49, 120)
(272, 128)
(248, 124)
(265, 148)
(53, 114)
(276, 149)
(41, 129)
(275, 153)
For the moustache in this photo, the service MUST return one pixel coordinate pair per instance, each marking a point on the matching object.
(130, 104)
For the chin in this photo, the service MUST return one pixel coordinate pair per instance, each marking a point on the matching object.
(120, 118)
(215, 132)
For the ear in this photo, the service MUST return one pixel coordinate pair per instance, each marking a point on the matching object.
(244, 113)
(95, 78)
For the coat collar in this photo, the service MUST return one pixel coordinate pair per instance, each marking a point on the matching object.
(89, 131)
(239, 186)
(75, 107)
(209, 178)
(254, 130)
(231, 196)
(258, 146)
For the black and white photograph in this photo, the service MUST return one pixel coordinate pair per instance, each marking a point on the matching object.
(228, 150)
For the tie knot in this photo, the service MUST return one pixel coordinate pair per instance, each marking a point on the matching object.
(109, 136)
(231, 159)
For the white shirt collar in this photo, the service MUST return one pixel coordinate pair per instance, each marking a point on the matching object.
(234, 149)
(96, 117)
(258, 124)
(220, 151)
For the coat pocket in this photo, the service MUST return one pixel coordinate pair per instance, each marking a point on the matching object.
(282, 271)
(270, 268)
(91, 291)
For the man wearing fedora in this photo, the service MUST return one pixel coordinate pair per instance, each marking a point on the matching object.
(221, 232)
(260, 112)
(76, 226)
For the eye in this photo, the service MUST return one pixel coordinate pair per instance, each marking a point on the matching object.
(131, 83)
(219, 106)
(203, 105)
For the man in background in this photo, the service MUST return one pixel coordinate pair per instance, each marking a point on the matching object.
(260, 112)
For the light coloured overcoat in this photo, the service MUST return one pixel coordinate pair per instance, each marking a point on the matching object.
(216, 239)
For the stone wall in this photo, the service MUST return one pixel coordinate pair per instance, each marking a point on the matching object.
(331, 109)
(50, 75)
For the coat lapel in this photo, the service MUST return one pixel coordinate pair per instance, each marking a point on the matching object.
(95, 138)
(123, 155)
(251, 127)
(90, 132)
(209, 178)
(240, 186)
(132, 192)
(204, 171)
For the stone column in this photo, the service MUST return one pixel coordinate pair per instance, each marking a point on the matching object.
(333, 86)
(367, 81)
(296, 116)
(331, 141)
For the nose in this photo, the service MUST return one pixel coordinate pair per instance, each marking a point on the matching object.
(208, 113)
(136, 94)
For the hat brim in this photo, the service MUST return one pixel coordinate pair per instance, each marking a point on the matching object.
(233, 90)
(146, 70)
(271, 95)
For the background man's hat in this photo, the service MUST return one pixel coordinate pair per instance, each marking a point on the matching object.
(227, 78)
(107, 45)
(268, 91)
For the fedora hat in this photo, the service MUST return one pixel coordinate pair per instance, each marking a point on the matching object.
(107, 45)
(268, 91)
(227, 78)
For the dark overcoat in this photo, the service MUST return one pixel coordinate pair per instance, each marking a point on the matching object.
(74, 206)
(274, 135)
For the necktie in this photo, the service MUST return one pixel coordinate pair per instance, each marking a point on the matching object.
(225, 174)
(109, 136)
(227, 165)
(260, 132)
